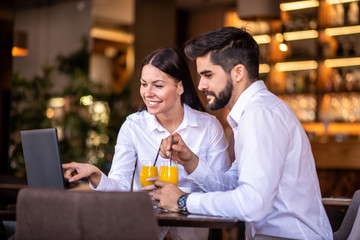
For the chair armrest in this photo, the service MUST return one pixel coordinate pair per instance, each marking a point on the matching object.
(338, 202)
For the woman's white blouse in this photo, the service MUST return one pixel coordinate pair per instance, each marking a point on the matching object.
(139, 139)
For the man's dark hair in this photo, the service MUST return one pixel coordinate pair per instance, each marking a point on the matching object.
(228, 47)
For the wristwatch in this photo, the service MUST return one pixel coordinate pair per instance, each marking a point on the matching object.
(182, 203)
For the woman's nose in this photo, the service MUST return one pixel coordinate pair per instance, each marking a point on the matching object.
(148, 91)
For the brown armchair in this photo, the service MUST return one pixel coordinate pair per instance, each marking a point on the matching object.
(350, 225)
(61, 214)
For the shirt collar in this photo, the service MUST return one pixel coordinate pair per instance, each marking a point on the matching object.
(189, 119)
(236, 112)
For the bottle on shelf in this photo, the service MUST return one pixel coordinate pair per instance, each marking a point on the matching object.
(353, 13)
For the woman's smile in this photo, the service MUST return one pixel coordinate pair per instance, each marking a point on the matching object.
(152, 104)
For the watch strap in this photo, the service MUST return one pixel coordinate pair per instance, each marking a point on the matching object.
(182, 203)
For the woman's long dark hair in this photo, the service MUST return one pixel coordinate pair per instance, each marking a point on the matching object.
(172, 62)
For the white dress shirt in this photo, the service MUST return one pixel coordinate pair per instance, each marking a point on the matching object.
(277, 191)
(139, 139)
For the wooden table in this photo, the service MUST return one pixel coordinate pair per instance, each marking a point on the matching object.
(220, 227)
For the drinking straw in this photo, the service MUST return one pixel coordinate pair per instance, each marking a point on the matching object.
(171, 143)
(157, 155)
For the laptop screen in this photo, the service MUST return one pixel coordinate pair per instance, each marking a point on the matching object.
(42, 158)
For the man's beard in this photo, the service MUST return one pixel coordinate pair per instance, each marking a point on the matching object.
(222, 99)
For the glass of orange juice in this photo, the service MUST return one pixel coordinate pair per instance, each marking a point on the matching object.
(147, 170)
(169, 172)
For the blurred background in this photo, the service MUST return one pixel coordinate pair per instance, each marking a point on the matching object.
(74, 65)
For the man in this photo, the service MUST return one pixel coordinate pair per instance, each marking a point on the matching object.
(272, 184)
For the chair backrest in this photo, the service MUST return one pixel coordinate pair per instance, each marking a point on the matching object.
(355, 232)
(60, 214)
(347, 224)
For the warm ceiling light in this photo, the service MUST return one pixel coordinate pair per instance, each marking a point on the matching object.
(342, 30)
(20, 48)
(264, 68)
(296, 66)
(290, 6)
(262, 39)
(308, 34)
(19, 52)
(279, 37)
(112, 35)
(283, 47)
(339, 1)
(342, 62)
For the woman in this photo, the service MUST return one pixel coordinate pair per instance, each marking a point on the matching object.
(170, 105)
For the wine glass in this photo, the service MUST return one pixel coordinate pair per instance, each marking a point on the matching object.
(168, 172)
(147, 171)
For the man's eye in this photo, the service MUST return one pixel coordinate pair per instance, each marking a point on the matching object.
(208, 75)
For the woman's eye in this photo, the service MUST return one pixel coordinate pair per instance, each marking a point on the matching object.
(208, 75)
(143, 84)
(159, 86)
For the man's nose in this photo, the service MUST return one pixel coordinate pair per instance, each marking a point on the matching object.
(202, 86)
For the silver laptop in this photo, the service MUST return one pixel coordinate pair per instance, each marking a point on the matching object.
(42, 158)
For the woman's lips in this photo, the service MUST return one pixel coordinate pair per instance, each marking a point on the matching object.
(153, 103)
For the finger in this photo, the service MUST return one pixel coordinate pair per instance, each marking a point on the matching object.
(152, 179)
(167, 143)
(155, 195)
(67, 165)
(149, 188)
(177, 139)
(163, 154)
(163, 148)
(151, 195)
(69, 172)
(159, 184)
(67, 175)
(180, 144)
(76, 178)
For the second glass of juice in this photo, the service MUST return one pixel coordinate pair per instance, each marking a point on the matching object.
(147, 171)
(168, 172)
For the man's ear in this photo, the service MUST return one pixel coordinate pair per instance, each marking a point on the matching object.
(238, 72)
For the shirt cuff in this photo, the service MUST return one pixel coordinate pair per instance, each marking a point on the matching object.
(193, 203)
(101, 184)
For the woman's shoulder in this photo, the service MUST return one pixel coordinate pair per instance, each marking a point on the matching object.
(202, 117)
(138, 117)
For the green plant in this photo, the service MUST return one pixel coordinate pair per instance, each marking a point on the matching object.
(29, 101)
(87, 122)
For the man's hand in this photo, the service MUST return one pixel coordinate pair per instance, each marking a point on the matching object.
(167, 195)
(76, 171)
(181, 153)
(151, 187)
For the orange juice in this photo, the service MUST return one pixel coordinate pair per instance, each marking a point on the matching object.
(169, 174)
(147, 172)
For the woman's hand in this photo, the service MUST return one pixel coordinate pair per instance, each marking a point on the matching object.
(74, 172)
(181, 153)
